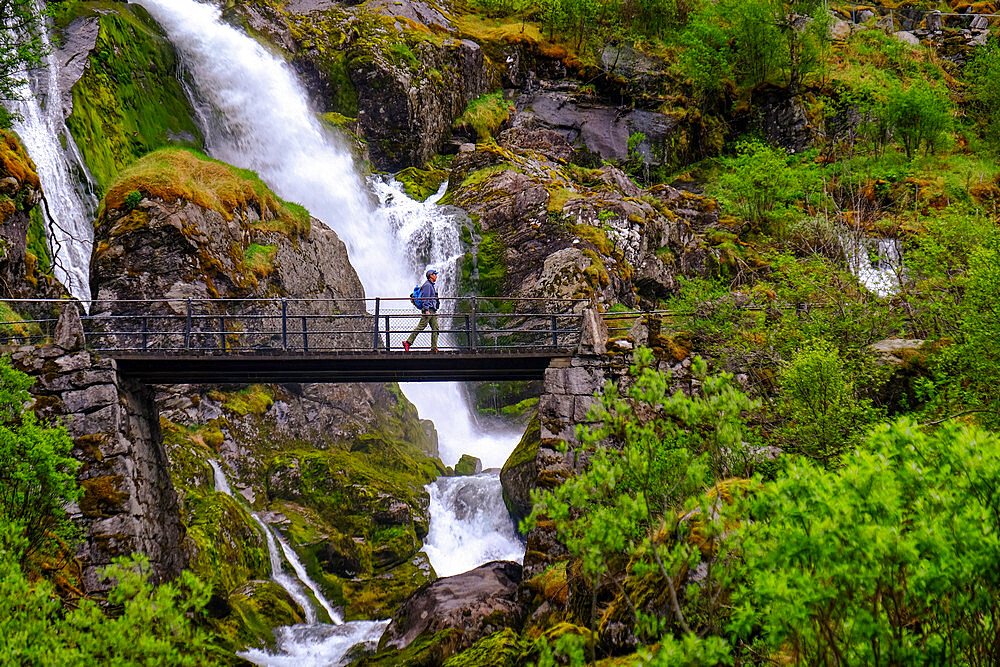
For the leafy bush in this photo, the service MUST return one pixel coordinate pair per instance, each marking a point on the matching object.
(756, 182)
(149, 625)
(825, 415)
(920, 115)
(37, 473)
(983, 73)
(891, 560)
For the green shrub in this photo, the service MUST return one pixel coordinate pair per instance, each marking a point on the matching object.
(37, 472)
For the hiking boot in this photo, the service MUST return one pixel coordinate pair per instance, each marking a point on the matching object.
(434, 349)
(406, 345)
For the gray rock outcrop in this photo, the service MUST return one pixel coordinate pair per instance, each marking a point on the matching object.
(476, 603)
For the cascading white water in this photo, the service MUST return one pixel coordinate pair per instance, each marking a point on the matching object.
(255, 115)
(311, 643)
(876, 262)
(71, 202)
(291, 584)
(469, 524)
(258, 116)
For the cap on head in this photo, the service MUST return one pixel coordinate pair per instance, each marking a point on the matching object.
(431, 272)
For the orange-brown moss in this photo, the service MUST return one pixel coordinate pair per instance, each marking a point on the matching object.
(172, 174)
(102, 496)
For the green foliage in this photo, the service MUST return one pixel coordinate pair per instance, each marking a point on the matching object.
(706, 60)
(919, 115)
(890, 560)
(37, 472)
(21, 48)
(825, 415)
(983, 74)
(148, 625)
(756, 181)
(485, 115)
(132, 200)
(650, 458)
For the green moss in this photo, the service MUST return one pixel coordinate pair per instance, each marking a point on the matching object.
(501, 649)
(485, 115)
(424, 651)
(128, 101)
(176, 173)
(260, 258)
(13, 323)
(254, 611)
(38, 245)
(229, 547)
(527, 447)
(253, 400)
(490, 267)
(520, 408)
(420, 184)
(467, 465)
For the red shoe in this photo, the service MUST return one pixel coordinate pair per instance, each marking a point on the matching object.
(406, 345)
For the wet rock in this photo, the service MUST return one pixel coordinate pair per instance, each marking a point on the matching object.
(476, 604)
(468, 465)
(520, 472)
(78, 39)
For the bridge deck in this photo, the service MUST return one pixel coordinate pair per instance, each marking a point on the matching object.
(170, 368)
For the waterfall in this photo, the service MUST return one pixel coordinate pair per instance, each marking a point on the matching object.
(469, 524)
(71, 202)
(877, 263)
(312, 642)
(291, 584)
(255, 114)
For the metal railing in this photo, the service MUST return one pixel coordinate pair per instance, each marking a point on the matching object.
(285, 325)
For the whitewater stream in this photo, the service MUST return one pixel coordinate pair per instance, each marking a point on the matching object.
(255, 114)
(65, 181)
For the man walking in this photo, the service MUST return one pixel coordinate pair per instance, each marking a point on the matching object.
(428, 304)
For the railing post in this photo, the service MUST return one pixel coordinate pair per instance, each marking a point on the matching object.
(145, 332)
(388, 341)
(222, 332)
(284, 323)
(468, 330)
(187, 330)
(555, 333)
(305, 335)
(474, 335)
(375, 335)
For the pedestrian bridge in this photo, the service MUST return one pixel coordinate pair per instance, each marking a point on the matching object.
(282, 340)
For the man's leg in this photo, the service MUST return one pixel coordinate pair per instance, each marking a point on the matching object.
(434, 331)
(421, 325)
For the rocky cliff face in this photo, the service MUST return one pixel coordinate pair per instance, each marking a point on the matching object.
(400, 69)
(545, 227)
(128, 504)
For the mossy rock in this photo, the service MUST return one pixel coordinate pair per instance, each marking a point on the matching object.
(425, 651)
(420, 184)
(250, 614)
(229, 548)
(468, 465)
(519, 472)
(501, 649)
(129, 101)
(174, 174)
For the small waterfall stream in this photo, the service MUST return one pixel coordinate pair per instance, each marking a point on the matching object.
(71, 201)
(312, 642)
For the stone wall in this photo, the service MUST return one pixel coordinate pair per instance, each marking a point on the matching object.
(129, 504)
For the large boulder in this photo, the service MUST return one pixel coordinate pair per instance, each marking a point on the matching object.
(520, 472)
(472, 605)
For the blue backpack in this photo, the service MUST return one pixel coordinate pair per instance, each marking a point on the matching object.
(415, 298)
